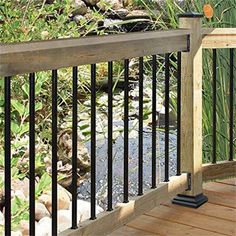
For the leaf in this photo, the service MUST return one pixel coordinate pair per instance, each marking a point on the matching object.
(43, 184)
(19, 107)
(208, 11)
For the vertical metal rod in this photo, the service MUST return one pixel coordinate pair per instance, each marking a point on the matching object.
(74, 148)
(167, 98)
(7, 160)
(231, 107)
(54, 152)
(214, 108)
(32, 151)
(126, 132)
(179, 113)
(110, 131)
(93, 142)
(154, 121)
(140, 148)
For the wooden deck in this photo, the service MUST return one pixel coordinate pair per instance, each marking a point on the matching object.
(217, 217)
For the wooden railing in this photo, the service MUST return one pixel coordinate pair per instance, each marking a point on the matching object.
(188, 41)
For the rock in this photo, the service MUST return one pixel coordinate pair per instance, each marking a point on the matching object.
(77, 19)
(22, 185)
(138, 14)
(40, 211)
(1, 218)
(109, 4)
(83, 210)
(24, 227)
(20, 194)
(63, 202)
(64, 220)
(16, 233)
(91, 2)
(80, 8)
(44, 227)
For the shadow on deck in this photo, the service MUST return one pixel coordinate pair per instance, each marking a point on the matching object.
(217, 217)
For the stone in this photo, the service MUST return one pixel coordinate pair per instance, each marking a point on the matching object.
(1, 218)
(109, 4)
(44, 227)
(24, 227)
(40, 211)
(83, 210)
(80, 8)
(64, 220)
(16, 233)
(78, 19)
(22, 185)
(20, 194)
(91, 2)
(63, 202)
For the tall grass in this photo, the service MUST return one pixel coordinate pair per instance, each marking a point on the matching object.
(224, 16)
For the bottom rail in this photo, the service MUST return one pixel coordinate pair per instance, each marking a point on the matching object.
(106, 222)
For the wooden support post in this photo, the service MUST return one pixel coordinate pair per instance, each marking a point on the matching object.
(191, 113)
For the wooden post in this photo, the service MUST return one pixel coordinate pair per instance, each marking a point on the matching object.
(191, 113)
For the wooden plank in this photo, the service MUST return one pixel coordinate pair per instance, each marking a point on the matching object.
(191, 106)
(165, 227)
(47, 55)
(183, 216)
(209, 209)
(231, 181)
(220, 188)
(219, 38)
(106, 222)
(220, 199)
(221, 170)
(128, 231)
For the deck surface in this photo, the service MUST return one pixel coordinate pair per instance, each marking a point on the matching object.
(216, 217)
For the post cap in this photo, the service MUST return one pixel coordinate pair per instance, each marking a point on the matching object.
(191, 15)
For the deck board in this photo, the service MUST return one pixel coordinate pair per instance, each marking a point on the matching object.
(217, 217)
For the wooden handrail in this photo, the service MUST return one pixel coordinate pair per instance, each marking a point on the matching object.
(219, 38)
(28, 57)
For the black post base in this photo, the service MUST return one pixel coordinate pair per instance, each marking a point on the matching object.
(190, 201)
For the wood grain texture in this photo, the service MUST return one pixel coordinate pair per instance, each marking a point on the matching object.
(106, 222)
(220, 188)
(191, 106)
(128, 231)
(219, 38)
(185, 217)
(231, 181)
(221, 170)
(54, 54)
(220, 199)
(209, 209)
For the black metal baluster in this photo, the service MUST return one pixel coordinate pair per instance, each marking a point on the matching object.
(74, 148)
(179, 113)
(167, 98)
(214, 108)
(32, 152)
(110, 131)
(7, 160)
(231, 107)
(126, 132)
(154, 121)
(140, 148)
(93, 142)
(54, 152)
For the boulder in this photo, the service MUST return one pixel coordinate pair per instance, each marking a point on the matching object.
(40, 211)
(64, 220)
(80, 8)
(63, 201)
(44, 227)
(91, 2)
(83, 210)
(109, 4)
(24, 227)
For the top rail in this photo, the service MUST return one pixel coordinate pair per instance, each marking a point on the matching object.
(219, 38)
(29, 57)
